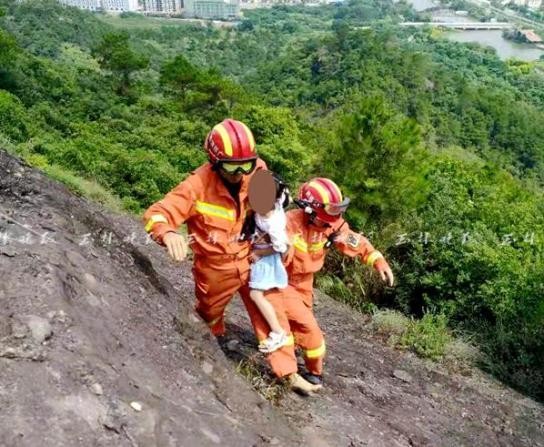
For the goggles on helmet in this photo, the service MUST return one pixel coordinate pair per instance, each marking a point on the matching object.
(232, 168)
(332, 209)
(335, 209)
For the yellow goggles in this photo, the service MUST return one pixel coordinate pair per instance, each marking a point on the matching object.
(238, 168)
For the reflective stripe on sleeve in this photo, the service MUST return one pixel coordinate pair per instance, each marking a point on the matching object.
(373, 257)
(155, 218)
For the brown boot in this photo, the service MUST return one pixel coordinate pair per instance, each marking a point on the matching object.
(300, 385)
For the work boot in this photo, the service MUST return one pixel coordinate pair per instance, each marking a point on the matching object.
(314, 379)
(299, 385)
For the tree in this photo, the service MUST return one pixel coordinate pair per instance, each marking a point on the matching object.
(114, 54)
(8, 49)
(13, 117)
(179, 75)
(377, 154)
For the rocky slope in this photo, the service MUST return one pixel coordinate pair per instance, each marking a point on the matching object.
(99, 346)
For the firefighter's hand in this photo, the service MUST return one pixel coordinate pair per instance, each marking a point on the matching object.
(382, 267)
(176, 245)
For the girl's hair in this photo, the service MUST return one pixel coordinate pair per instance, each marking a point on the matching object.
(282, 190)
(248, 227)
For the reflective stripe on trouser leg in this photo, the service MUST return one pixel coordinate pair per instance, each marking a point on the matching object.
(313, 358)
(316, 352)
(283, 361)
(217, 326)
(307, 333)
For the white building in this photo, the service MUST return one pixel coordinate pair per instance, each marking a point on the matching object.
(165, 6)
(103, 5)
(91, 5)
(533, 4)
(212, 9)
(119, 5)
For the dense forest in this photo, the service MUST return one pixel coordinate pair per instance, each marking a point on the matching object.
(440, 145)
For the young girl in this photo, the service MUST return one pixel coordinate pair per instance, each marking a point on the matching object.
(267, 197)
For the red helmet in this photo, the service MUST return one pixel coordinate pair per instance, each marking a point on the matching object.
(322, 198)
(230, 140)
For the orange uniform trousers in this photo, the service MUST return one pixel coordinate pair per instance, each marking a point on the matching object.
(217, 279)
(294, 310)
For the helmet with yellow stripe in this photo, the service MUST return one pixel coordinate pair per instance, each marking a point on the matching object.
(230, 141)
(322, 198)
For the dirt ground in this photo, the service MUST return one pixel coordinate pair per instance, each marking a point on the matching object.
(99, 346)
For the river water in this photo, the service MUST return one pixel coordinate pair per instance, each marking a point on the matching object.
(505, 48)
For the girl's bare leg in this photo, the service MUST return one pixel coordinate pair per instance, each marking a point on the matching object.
(267, 310)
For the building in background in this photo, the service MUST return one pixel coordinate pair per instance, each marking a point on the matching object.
(163, 6)
(120, 5)
(103, 5)
(91, 5)
(533, 4)
(212, 9)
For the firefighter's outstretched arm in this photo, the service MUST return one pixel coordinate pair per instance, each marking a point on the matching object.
(163, 218)
(356, 245)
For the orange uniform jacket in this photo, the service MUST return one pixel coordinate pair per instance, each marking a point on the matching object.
(214, 218)
(307, 253)
(214, 221)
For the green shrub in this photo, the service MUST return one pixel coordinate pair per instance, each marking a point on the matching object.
(13, 117)
(427, 337)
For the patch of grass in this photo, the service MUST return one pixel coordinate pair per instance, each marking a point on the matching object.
(7, 144)
(460, 356)
(80, 186)
(271, 389)
(389, 323)
(428, 337)
(85, 188)
(336, 288)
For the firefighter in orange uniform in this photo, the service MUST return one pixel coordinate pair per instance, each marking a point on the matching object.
(213, 203)
(313, 229)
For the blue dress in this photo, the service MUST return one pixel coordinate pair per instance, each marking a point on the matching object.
(268, 273)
